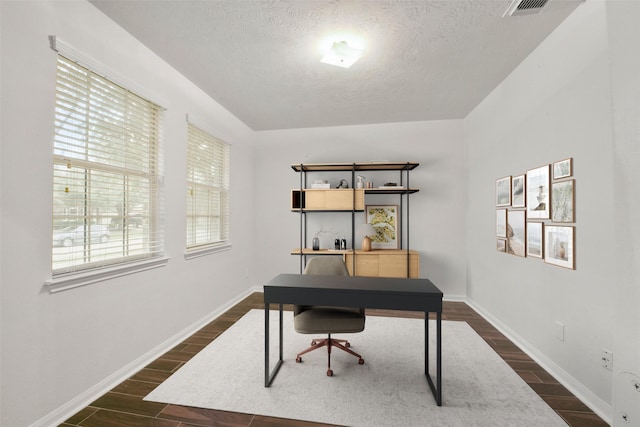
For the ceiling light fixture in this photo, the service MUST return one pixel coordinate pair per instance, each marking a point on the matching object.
(341, 55)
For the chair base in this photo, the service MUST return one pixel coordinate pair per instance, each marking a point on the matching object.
(329, 343)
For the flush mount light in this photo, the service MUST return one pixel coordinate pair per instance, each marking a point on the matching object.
(341, 55)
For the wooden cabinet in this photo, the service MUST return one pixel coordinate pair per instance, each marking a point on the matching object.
(383, 263)
(337, 199)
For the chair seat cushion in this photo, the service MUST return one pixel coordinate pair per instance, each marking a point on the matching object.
(327, 320)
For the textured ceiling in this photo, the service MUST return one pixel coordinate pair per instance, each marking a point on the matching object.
(424, 60)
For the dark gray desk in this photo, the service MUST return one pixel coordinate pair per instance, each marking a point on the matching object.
(365, 292)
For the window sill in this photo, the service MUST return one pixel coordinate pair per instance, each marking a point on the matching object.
(71, 281)
(195, 253)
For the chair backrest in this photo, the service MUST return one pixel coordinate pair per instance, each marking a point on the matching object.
(327, 265)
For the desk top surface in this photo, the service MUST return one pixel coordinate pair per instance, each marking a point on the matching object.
(387, 285)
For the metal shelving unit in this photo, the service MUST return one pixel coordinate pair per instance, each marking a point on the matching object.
(403, 190)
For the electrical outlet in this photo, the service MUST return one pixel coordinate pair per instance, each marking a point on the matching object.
(607, 359)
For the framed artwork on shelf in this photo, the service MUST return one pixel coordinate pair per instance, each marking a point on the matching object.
(537, 187)
(503, 191)
(562, 201)
(517, 191)
(534, 239)
(559, 246)
(501, 222)
(384, 219)
(563, 168)
(501, 245)
(516, 232)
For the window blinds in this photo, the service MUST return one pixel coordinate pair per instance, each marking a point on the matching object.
(106, 200)
(208, 191)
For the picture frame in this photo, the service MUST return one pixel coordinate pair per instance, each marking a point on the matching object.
(518, 195)
(559, 242)
(501, 223)
(537, 187)
(563, 201)
(501, 245)
(384, 219)
(503, 191)
(535, 241)
(516, 232)
(563, 168)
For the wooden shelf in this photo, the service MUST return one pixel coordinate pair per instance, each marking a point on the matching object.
(367, 166)
(308, 251)
(389, 190)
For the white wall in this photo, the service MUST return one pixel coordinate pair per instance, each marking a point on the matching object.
(556, 104)
(55, 347)
(437, 211)
(624, 41)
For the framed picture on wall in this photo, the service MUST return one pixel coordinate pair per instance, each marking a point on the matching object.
(501, 222)
(559, 245)
(501, 245)
(517, 191)
(516, 232)
(563, 168)
(384, 219)
(562, 201)
(503, 191)
(538, 193)
(534, 239)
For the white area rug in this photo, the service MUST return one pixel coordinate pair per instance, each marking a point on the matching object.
(390, 389)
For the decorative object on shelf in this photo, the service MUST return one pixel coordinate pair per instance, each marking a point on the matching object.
(516, 232)
(517, 192)
(336, 244)
(320, 183)
(343, 184)
(360, 182)
(368, 230)
(534, 239)
(503, 191)
(384, 219)
(316, 243)
(538, 193)
(559, 246)
(562, 199)
(563, 168)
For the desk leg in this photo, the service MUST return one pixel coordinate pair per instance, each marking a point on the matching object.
(436, 388)
(439, 358)
(268, 378)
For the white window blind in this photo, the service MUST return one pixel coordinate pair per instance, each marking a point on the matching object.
(208, 191)
(106, 200)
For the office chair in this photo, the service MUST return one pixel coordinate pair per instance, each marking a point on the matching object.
(328, 320)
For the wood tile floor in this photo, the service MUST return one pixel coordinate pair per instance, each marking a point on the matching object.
(123, 406)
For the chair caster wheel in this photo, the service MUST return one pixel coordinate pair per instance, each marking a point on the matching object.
(313, 342)
(361, 361)
(329, 373)
(298, 359)
(347, 344)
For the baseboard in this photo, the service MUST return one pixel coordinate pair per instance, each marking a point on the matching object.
(81, 401)
(597, 405)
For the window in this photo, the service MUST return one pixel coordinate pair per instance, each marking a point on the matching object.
(106, 202)
(208, 191)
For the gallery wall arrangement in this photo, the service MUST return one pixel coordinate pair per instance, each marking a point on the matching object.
(535, 214)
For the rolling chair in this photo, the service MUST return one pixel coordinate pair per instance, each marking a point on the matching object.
(328, 320)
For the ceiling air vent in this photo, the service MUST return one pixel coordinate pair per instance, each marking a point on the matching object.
(525, 7)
